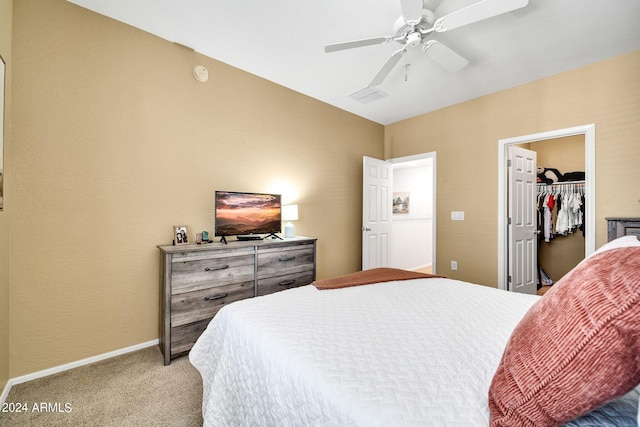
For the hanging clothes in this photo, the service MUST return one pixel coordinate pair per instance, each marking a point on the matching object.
(566, 200)
(549, 204)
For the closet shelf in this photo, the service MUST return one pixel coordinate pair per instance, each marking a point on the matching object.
(561, 183)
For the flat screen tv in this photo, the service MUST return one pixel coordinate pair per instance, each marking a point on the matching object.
(246, 215)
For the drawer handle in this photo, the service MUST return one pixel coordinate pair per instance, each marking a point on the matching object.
(286, 258)
(286, 283)
(222, 267)
(215, 297)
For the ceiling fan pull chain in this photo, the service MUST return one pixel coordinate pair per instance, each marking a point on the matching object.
(406, 67)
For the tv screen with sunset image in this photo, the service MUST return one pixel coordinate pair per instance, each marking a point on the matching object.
(246, 213)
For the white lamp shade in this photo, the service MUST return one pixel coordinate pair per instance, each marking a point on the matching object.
(290, 213)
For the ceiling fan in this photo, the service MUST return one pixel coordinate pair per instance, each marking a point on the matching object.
(417, 24)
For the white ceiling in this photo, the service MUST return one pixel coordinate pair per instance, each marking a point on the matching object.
(283, 41)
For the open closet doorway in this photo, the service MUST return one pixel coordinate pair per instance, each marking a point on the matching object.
(577, 143)
(413, 219)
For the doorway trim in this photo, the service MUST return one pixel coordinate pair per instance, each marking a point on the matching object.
(589, 132)
(431, 155)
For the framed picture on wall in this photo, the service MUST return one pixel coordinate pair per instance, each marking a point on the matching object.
(180, 234)
(401, 202)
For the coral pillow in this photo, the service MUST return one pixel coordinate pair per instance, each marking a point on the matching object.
(576, 349)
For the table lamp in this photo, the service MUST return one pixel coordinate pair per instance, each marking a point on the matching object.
(289, 213)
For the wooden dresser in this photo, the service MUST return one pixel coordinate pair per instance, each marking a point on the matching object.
(197, 280)
(618, 227)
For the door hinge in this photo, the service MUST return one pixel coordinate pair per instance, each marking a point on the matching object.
(509, 278)
(508, 221)
(509, 163)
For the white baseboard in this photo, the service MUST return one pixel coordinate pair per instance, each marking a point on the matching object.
(76, 364)
(5, 392)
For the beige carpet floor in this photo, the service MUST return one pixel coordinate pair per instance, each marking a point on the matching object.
(135, 389)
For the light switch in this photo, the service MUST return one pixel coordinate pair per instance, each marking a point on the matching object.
(457, 215)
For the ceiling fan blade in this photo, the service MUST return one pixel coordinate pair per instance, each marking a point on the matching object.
(477, 12)
(387, 67)
(447, 58)
(411, 11)
(357, 43)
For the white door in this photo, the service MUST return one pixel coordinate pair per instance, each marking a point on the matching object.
(522, 223)
(377, 185)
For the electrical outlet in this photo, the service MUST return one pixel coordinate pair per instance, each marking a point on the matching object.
(454, 265)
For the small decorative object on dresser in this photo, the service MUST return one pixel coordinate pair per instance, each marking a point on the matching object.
(180, 234)
(198, 280)
(618, 227)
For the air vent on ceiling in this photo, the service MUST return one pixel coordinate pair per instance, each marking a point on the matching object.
(368, 94)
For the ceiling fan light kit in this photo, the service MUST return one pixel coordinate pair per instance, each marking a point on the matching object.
(416, 25)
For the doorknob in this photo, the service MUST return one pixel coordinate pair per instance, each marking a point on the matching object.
(537, 232)
(366, 229)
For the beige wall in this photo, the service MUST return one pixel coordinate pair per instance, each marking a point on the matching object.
(465, 137)
(115, 142)
(5, 52)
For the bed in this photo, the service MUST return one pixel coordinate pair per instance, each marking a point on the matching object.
(427, 351)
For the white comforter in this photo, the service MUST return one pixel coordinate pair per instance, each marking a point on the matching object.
(418, 352)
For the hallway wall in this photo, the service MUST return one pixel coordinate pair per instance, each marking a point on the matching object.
(411, 238)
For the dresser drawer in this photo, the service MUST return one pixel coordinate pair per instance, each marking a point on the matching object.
(202, 304)
(197, 274)
(279, 283)
(283, 261)
(619, 227)
(184, 337)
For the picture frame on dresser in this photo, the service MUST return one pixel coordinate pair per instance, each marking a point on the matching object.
(180, 235)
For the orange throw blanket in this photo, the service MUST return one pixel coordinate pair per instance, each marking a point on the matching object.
(367, 277)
